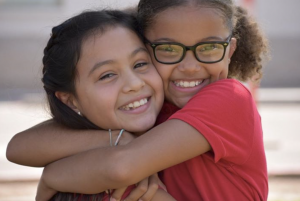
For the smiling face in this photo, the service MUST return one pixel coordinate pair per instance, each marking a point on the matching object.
(189, 25)
(117, 85)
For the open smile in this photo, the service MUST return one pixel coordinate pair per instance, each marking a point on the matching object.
(135, 104)
(187, 84)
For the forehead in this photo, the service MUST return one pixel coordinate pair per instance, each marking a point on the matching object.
(115, 43)
(188, 25)
(112, 37)
(106, 44)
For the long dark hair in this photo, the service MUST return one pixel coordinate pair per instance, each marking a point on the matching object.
(252, 46)
(62, 54)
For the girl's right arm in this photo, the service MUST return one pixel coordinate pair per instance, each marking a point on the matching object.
(49, 141)
(170, 143)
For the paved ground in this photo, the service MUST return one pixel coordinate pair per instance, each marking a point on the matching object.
(281, 189)
(280, 111)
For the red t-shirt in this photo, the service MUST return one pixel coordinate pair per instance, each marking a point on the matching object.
(235, 169)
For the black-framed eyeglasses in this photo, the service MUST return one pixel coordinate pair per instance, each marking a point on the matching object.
(205, 52)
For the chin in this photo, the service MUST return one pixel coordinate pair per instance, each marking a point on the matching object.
(143, 126)
(181, 103)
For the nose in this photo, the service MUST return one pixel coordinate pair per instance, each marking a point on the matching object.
(132, 82)
(189, 64)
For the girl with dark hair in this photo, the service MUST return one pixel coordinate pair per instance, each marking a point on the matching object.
(211, 148)
(89, 86)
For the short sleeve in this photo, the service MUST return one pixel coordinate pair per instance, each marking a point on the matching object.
(226, 115)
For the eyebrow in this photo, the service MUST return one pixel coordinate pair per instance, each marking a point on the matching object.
(213, 38)
(136, 51)
(102, 63)
(99, 64)
(210, 38)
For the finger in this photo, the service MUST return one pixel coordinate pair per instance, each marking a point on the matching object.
(160, 183)
(152, 188)
(139, 191)
(44, 192)
(117, 194)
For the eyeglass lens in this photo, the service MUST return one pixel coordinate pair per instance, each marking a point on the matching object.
(208, 52)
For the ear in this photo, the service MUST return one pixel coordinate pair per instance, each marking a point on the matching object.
(232, 47)
(68, 99)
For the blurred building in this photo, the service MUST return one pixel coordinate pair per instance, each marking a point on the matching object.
(25, 26)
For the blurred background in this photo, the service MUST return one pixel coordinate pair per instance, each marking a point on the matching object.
(25, 26)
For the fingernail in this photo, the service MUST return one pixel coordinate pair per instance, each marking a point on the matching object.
(113, 199)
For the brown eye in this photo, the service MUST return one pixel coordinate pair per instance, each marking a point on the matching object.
(106, 76)
(209, 47)
(140, 65)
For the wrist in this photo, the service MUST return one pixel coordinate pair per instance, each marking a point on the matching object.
(123, 140)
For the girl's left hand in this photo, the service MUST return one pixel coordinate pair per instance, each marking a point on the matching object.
(144, 190)
(44, 193)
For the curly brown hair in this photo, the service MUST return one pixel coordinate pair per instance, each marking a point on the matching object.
(252, 46)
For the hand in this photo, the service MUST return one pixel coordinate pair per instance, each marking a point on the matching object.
(117, 194)
(144, 190)
(44, 193)
(160, 183)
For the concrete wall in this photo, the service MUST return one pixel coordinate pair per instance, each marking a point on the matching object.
(281, 22)
(24, 31)
(279, 18)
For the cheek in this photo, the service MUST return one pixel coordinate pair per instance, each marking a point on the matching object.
(164, 71)
(98, 106)
(154, 80)
(218, 67)
(97, 100)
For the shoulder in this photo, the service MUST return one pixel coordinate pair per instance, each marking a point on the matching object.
(226, 114)
(226, 91)
(231, 86)
(220, 102)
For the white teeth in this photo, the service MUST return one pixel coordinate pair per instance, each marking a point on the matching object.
(135, 104)
(186, 84)
(192, 84)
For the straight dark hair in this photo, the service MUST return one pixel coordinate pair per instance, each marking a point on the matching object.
(62, 53)
(61, 56)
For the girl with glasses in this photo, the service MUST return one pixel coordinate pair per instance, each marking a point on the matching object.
(209, 139)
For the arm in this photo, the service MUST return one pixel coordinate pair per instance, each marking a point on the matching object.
(165, 145)
(49, 141)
